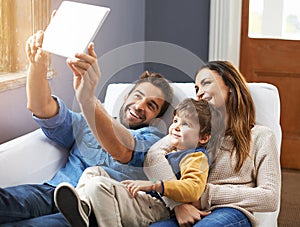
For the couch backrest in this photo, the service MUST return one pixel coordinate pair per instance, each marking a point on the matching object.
(267, 106)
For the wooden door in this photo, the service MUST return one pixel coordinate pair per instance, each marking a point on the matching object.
(277, 62)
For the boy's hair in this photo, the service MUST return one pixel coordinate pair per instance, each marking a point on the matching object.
(207, 115)
(160, 82)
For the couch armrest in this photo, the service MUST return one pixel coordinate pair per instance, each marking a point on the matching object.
(31, 158)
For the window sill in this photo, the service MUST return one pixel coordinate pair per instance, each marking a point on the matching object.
(9, 81)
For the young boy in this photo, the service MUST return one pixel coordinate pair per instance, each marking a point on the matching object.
(120, 204)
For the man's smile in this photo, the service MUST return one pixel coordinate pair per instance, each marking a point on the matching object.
(136, 115)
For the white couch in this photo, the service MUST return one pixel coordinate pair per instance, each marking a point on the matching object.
(46, 158)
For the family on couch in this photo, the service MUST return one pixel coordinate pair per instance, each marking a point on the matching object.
(244, 172)
(189, 134)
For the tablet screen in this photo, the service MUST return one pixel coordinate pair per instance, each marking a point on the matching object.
(73, 27)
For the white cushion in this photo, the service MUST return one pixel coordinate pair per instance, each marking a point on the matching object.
(267, 107)
(31, 158)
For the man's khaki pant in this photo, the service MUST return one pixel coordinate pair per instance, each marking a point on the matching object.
(113, 205)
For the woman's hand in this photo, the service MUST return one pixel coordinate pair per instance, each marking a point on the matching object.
(134, 186)
(86, 74)
(188, 214)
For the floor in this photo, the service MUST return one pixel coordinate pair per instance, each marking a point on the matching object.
(289, 215)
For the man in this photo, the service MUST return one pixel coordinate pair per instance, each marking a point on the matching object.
(93, 137)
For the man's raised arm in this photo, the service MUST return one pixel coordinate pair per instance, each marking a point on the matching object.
(86, 77)
(39, 99)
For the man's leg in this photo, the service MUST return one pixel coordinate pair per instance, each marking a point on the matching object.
(52, 220)
(26, 201)
(225, 217)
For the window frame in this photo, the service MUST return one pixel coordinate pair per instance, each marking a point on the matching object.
(20, 19)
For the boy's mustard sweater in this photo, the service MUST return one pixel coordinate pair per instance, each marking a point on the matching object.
(191, 169)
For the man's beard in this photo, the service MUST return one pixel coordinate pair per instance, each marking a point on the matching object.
(126, 124)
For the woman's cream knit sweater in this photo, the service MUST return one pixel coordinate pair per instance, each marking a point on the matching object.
(255, 188)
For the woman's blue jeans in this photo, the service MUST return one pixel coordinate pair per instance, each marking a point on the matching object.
(29, 205)
(219, 217)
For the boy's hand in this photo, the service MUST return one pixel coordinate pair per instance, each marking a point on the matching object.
(138, 185)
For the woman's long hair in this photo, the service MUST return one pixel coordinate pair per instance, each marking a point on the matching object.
(240, 108)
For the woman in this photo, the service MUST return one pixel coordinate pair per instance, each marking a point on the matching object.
(245, 172)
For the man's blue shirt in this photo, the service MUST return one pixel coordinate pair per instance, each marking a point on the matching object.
(70, 130)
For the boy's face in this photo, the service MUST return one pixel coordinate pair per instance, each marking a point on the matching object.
(141, 106)
(184, 133)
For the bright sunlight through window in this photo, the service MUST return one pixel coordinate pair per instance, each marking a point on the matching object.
(275, 19)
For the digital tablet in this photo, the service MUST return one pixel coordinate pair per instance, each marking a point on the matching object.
(73, 27)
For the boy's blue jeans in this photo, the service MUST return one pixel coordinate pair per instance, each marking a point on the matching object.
(29, 205)
(219, 217)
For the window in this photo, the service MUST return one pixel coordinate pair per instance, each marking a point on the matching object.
(19, 19)
(277, 19)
